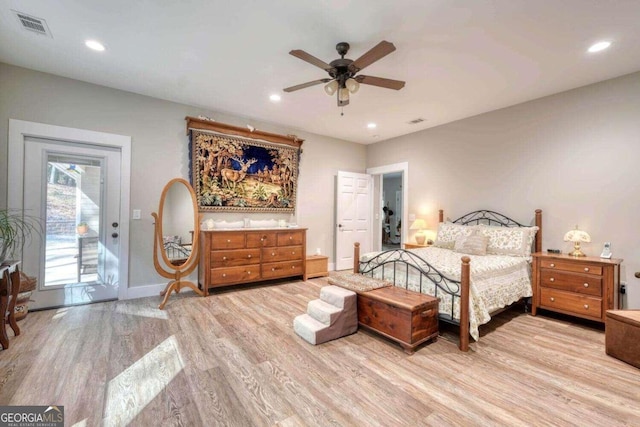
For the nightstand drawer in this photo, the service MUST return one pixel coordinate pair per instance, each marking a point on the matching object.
(571, 266)
(579, 305)
(571, 282)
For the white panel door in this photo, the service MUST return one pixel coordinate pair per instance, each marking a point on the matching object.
(353, 216)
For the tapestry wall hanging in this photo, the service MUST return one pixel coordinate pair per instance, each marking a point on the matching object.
(235, 173)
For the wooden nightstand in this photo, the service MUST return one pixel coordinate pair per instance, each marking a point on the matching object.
(580, 286)
(414, 246)
(317, 266)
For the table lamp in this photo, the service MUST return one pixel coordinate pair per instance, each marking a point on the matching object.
(419, 225)
(576, 236)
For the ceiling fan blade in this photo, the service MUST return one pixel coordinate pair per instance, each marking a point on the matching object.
(307, 84)
(380, 50)
(301, 54)
(381, 82)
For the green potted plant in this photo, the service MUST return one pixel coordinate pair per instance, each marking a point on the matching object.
(15, 229)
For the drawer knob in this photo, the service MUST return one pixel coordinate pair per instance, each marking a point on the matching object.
(273, 269)
(224, 274)
(273, 254)
(249, 256)
(551, 279)
(552, 265)
(290, 237)
(293, 252)
(552, 299)
(293, 267)
(586, 285)
(586, 269)
(248, 272)
(224, 258)
(586, 306)
(228, 240)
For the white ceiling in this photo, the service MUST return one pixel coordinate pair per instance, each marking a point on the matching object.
(458, 57)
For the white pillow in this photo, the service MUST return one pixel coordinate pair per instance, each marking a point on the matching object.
(448, 232)
(473, 244)
(513, 241)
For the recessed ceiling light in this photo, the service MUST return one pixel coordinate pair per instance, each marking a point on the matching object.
(372, 125)
(95, 45)
(275, 98)
(597, 47)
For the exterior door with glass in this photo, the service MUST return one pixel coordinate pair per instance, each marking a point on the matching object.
(75, 190)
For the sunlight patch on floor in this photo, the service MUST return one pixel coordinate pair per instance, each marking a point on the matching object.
(60, 313)
(140, 383)
(138, 310)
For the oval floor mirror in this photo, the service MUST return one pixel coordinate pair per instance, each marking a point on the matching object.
(176, 235)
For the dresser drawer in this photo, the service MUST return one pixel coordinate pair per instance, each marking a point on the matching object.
(223, 276)
(290, 238)
(228, 240)
(282, 269)
(579, 305)
(284, 253)
(571, 282)
(571, 266)
(234, 258)
(261, 240)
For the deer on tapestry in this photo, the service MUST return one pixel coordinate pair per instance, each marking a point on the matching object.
(231, 177)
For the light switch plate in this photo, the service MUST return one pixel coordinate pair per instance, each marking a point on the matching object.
(136, 214)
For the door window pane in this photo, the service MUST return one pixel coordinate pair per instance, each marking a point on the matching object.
(73, 218)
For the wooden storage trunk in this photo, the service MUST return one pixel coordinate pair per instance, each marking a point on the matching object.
(407, 317)
(622, 335)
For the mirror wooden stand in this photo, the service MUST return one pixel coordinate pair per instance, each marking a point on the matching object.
(177, 217)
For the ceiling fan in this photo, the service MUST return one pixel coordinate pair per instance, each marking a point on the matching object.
(343, 71)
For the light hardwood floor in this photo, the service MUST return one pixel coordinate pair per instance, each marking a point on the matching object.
(233, 359)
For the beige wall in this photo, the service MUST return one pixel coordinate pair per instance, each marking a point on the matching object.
(159, 151)
(574, 155)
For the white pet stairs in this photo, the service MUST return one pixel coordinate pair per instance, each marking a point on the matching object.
(332, 316)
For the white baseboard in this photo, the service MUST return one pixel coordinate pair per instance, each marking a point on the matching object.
(144, 291)
(332, 266)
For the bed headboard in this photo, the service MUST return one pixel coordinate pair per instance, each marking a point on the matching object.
(498, 220)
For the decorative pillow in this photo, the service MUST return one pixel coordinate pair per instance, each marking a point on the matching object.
(448, 232)
(473, 244)
(228, 224)
(514, 241)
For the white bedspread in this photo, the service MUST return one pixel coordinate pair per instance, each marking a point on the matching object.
(496, 281)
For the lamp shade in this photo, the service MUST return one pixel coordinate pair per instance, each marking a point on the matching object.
(418, 224)
(577, 236)
(331, 87)
(352, 85)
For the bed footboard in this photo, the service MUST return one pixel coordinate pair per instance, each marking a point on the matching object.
(443, 286)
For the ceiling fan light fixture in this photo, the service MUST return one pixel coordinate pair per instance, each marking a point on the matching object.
(331, 87)
(352, 85)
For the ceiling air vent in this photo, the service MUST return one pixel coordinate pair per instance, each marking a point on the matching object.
(416, 121)
(31, 23)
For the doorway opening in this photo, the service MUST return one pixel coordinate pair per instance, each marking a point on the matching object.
(391, 210)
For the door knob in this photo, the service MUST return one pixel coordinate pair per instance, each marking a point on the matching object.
(114, 235)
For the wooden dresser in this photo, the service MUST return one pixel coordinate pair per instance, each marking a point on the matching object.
(580, 286)
(232, 257)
